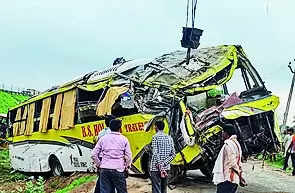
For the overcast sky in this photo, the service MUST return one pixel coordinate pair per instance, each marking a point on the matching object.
(44, 43)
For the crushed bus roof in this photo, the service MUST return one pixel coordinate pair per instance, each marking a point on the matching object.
(208, 68)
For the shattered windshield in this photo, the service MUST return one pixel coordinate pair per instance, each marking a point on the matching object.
(197, 103)
(243, 81)
(236, 83)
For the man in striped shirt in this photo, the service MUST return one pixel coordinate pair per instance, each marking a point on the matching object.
(163, 153)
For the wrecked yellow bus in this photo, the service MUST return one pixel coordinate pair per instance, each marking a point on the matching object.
(55, 130)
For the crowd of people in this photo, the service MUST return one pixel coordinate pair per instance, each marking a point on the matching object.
(112, 156)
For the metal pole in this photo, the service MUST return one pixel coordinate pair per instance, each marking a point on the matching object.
(289, 98)
(188, 55)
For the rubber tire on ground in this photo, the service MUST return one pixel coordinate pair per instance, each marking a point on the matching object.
(175, 173)
(207, 172)
(147, 167)
(56, 167)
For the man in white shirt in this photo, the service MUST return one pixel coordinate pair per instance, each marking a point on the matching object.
(227, 172)
(287, 142)
(291, 148)
(105, 130)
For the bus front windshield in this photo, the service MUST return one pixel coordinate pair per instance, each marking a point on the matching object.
(244, 82)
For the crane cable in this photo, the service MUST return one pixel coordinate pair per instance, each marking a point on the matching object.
(194, 6)
(187, 8)
(193, 10)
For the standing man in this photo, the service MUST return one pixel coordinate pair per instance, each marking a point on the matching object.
(116, 157)
(227, 171)
(102, 133)
(107, 129)
(287, 142)
(292, 148)
(163, 153)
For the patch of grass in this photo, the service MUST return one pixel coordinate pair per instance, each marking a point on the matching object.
(37, 187)
(278, 163)
(9, 100)
(6, 174)
(76, 183)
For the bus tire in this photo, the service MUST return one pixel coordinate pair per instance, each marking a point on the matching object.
(175, 173)
(207, 172)
(55, 166)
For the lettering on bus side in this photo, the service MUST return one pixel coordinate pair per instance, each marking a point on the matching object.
(98, 128)
(133, 127)
(19, 158)
(76, 162)
(83, 164)
(92, 130)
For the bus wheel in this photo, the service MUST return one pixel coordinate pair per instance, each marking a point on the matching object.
(207, 172)
(56, 167)
(175, 173)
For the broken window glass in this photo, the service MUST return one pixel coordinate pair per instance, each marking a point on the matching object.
(51, 111)
(124, 105)
(127, 101)
(197, 103)
(86, 105)
(236, 83)
(245, 83)
(37, 114)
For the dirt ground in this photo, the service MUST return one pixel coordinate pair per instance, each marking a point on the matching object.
(262, 180)
(51, 184)
(85, 188)
(58, 182)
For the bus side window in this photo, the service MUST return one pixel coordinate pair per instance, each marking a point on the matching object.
(44, 117)
(37, 114)
(56, 111)
(16, 122)
(30, 119)
(67, 115)
(24, 120)
(86, 105)
(61, 110)
(117, 101)
(51, 111)
(124, 105)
